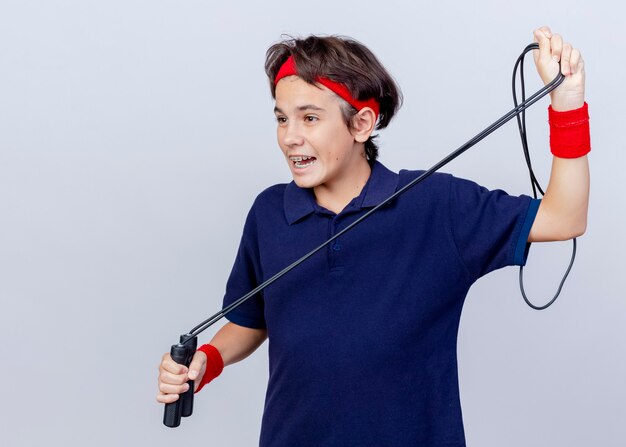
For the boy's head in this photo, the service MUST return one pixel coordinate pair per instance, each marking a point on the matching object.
(345, 66)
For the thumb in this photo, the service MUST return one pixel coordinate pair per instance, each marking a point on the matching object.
(197, 366)
(543, 39)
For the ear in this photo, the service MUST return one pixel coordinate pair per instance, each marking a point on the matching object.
(363, 124)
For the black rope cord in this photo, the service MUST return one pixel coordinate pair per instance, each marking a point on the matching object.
(521, 124)
(519, 109)
(183, 351)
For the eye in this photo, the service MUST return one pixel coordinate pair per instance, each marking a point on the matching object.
(281, 119)
(311, 118)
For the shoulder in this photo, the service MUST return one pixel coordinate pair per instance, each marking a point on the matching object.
(269, 204)
(445, 182)
(266, 211)
(437, 183)
(407, 175)
(272, 196)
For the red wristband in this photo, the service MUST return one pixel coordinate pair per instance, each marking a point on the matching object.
(569, 132)
(214, 364)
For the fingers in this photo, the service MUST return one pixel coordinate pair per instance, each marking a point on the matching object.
(167, 398)
(170, 393)
(542, 37)
(546, 30)
(566, 56)
(167, 388)
(171, 366)
(576, 61)
(172, 380)
(556, 47)
(570, 58)
(552, 47)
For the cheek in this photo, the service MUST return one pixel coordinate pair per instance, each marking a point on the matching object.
(340, 144)
(279, 139)
(335, 138)
(342, 134)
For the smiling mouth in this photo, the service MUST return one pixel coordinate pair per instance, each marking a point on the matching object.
(302, 162)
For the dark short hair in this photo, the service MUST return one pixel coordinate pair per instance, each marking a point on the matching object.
(344, 60)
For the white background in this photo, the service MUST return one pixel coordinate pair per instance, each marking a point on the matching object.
(134, 136)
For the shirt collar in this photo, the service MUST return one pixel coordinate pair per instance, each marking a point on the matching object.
(300, 202)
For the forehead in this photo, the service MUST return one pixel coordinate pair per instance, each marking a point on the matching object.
(292, 92)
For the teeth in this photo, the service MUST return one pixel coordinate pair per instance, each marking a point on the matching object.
(304, 164)
(300, 158)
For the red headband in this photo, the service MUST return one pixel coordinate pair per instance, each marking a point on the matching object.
(289, 68)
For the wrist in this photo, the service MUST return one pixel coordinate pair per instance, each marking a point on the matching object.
(563, 104)
(569, 132)
(214, 365)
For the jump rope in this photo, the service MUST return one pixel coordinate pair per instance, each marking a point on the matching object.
(183, 351)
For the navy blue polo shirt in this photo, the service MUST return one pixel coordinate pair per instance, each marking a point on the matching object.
(362, 336)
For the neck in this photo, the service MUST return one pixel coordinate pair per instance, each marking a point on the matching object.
(336, 196)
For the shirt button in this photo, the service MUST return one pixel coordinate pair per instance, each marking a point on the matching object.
(336, 247)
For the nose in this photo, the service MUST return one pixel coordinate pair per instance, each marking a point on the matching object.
(292, 134)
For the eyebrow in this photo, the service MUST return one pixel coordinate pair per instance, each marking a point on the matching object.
(302, 108)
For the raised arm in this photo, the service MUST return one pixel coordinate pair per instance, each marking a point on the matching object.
(563, 211)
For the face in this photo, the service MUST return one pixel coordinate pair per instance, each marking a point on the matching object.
(317, 144)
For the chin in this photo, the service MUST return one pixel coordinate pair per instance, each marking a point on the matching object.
(304, 183)
(310, 179)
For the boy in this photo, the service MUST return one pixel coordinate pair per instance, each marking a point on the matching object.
(362, 336)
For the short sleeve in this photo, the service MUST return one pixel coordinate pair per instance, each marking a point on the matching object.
(245, 276)
(490, 228)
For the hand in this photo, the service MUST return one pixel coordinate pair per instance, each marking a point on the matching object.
(571, 93)
(173, 376)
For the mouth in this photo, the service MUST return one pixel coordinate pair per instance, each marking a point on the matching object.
(301, 162)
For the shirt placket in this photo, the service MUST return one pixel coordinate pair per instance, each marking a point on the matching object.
(335, 250)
